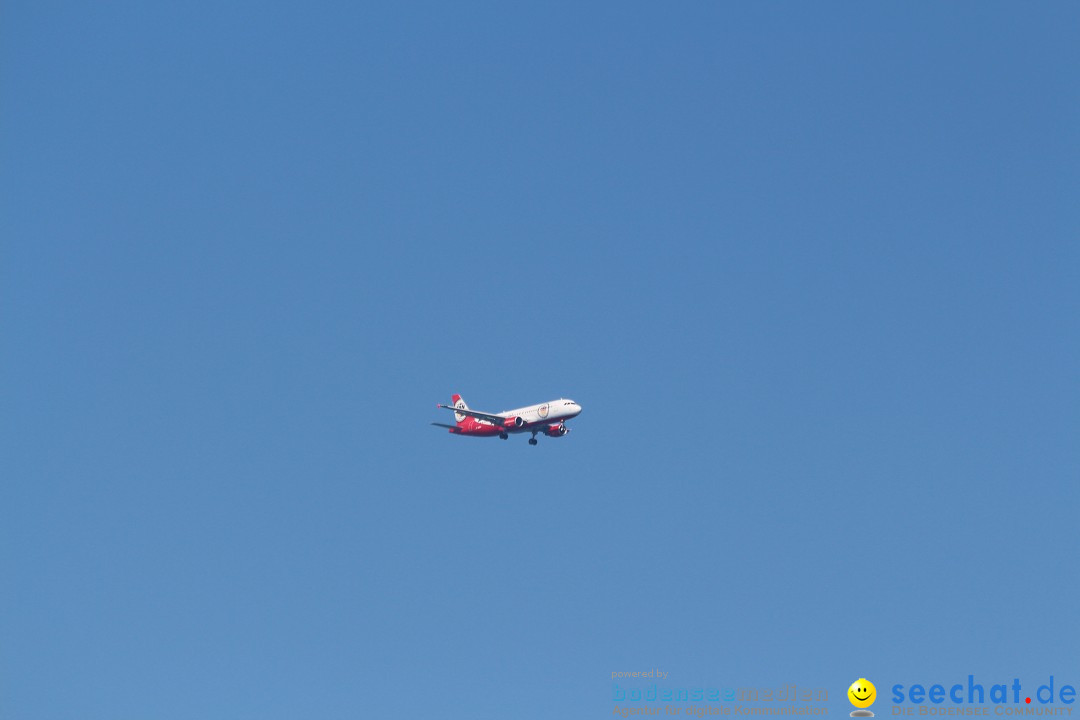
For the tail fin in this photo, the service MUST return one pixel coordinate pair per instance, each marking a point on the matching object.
(457, 402)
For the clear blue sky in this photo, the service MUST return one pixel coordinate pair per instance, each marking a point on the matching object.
(812, 270)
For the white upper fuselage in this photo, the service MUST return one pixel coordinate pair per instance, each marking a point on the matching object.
(543, 413)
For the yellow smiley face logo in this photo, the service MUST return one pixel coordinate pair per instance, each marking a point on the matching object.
(862, 693)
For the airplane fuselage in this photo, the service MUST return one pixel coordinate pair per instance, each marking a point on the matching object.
(544, 414)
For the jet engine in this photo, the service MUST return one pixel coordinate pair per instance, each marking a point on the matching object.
(514, 422)
(556, 430)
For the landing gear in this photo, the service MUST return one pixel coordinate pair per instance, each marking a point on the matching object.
(532, 441)
(503, 435)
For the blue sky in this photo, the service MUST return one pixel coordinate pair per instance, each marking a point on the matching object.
(812, 271)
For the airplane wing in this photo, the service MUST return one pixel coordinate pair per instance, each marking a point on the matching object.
(487, 417)
(452, 427)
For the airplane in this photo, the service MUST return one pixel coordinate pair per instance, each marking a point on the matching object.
(548, 418)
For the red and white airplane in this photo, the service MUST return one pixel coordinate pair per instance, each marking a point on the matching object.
(548, 418)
